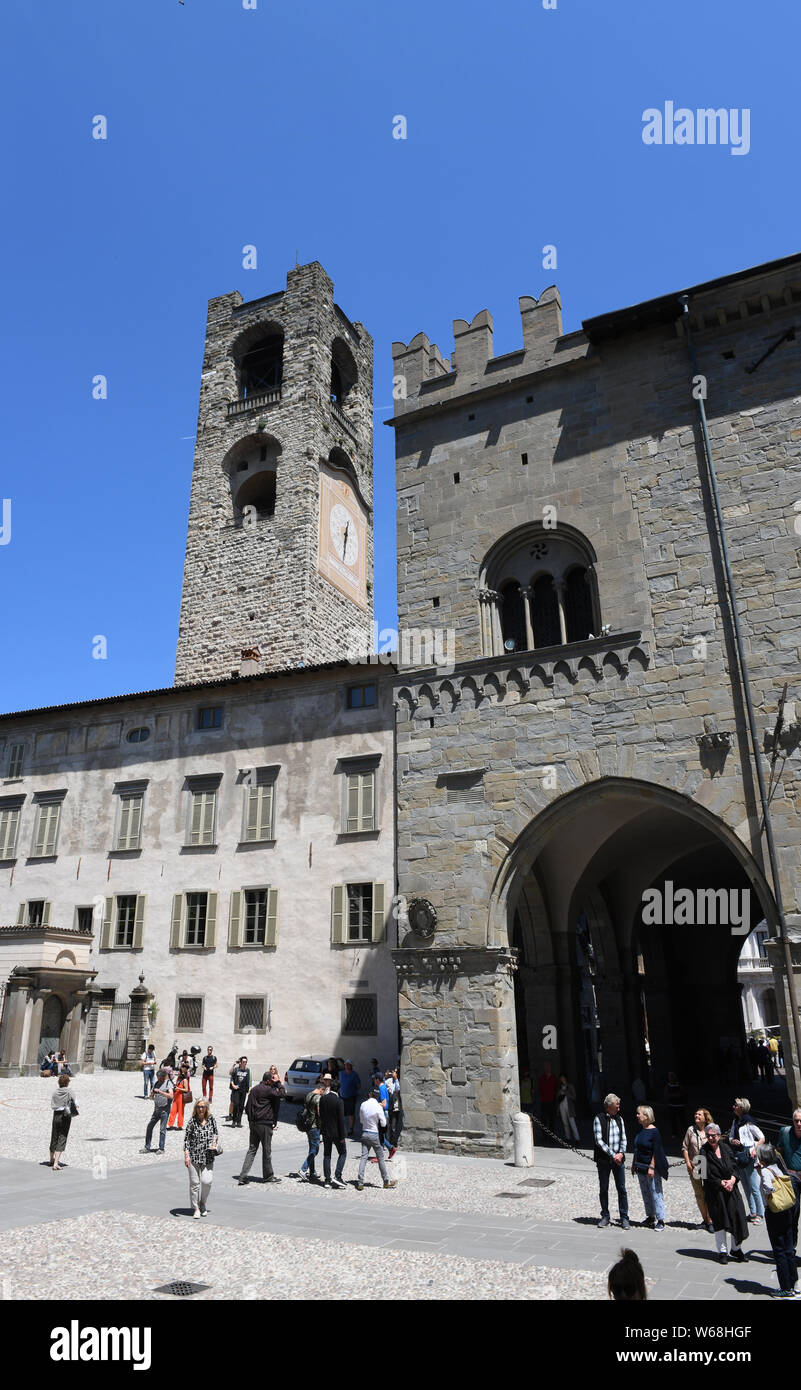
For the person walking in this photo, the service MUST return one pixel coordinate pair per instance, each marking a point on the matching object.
(182, 1096)
(676, 1101)
(720, 1178)
(780, 1194)
(349, 1086)
(395, 1115)
(200, 1138)
(566, 1105)
(752, 1050)
(650, 1166)
(691, 1146)
(63, 1106)
(744, 1136)
(161, 1096)
(372, 1118)
(332, 1131)
(311, 1108)
(240, 1086)
(209, 1068)
(762, 1058)
(609, 1156)
(548, 1087)
(148, 1068)
(262, 1107)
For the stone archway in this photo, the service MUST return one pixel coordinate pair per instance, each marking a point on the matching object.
(592, 973)
(52, 1024)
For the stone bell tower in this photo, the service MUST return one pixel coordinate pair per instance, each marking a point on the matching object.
(279, 552)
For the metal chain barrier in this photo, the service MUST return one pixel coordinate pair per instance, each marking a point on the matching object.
(678, 1163)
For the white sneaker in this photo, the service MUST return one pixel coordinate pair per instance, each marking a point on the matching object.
(196, 1214)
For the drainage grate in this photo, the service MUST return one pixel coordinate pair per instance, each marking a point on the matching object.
(181, 1288)
(537, 1182)
(517, 1195)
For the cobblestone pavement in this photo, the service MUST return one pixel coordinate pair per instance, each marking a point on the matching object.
(470, 1228)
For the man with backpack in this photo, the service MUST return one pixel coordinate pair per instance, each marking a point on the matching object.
(162, 1095)
(308, 1121)
(609, 1154)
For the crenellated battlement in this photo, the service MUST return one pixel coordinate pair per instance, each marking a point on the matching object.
(423, 376)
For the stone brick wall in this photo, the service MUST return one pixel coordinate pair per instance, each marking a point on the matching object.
(610, 429)
(258, 586)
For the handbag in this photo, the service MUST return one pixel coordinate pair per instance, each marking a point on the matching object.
(782, 1198)
(73, 1107)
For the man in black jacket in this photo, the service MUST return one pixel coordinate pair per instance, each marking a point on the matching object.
(332, 1129)
(262, 1108)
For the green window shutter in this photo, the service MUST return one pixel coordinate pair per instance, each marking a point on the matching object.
(207, 832)
(194, 818)
(46, 913)
(105, 929)
(338, 914)
(23, 908)
(139, 923)
(122, 828)
(134, 821)
(235, 920)
(9, 825)
(177, 920)
(50, 836)
(39, 832)
(352, 813)
(379, 912)
(252, 813)
(368, 801)
(266, 811)
(271, 934)
(211, 920)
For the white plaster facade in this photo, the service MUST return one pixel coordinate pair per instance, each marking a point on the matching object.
(755, 976)
(297, 728)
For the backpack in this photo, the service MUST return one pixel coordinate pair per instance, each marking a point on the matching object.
(306, 1118)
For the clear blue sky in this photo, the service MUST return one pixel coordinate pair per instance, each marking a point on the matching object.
(273, 126)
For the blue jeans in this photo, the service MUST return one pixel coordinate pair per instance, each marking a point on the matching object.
(651, 1189)
(314, 1148)
(159, 1117)
(148, 1073)
(750, 1181)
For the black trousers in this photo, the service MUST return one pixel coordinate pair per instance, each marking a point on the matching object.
(240, 1097)
(782, 1241)
(618, 1172)
(259, 1135)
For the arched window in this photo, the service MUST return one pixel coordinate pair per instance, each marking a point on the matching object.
(258, 491)
(545, 613)
(537, 587)
(252, 469)
(578, 604)
(344, 373)
(513, 618)
(261, 369)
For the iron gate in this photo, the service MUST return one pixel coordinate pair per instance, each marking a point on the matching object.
(118, 1034)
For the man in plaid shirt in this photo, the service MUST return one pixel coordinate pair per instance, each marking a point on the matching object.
(609, 1134)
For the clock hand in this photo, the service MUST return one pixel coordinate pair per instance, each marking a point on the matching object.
(345, 539)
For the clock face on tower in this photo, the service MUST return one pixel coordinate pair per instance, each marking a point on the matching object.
(342, 551)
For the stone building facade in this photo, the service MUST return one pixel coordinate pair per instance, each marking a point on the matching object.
(285, 414)
(591, 743)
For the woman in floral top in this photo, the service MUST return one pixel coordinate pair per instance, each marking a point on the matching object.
(200, 1135)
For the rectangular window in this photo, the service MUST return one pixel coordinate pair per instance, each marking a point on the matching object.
(202, 815)
(126, 917)
(255, 916)
(9, 830)
(129, 820)
(259, 803)
(84, 918)
(36, 913)
(359, 801)
(361, 696)
(45, 832)
(210, 717)
(250, 1014)
(360, 911)
(189, 1014)
(196, 906)
(359, 1015)
(16, 759)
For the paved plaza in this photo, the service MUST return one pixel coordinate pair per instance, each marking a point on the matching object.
(453, 1228)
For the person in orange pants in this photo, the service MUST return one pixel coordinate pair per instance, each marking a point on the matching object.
(183, 1094)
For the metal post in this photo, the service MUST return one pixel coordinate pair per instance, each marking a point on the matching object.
(684, 300)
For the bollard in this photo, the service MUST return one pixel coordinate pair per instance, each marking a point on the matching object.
(523, 1135)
